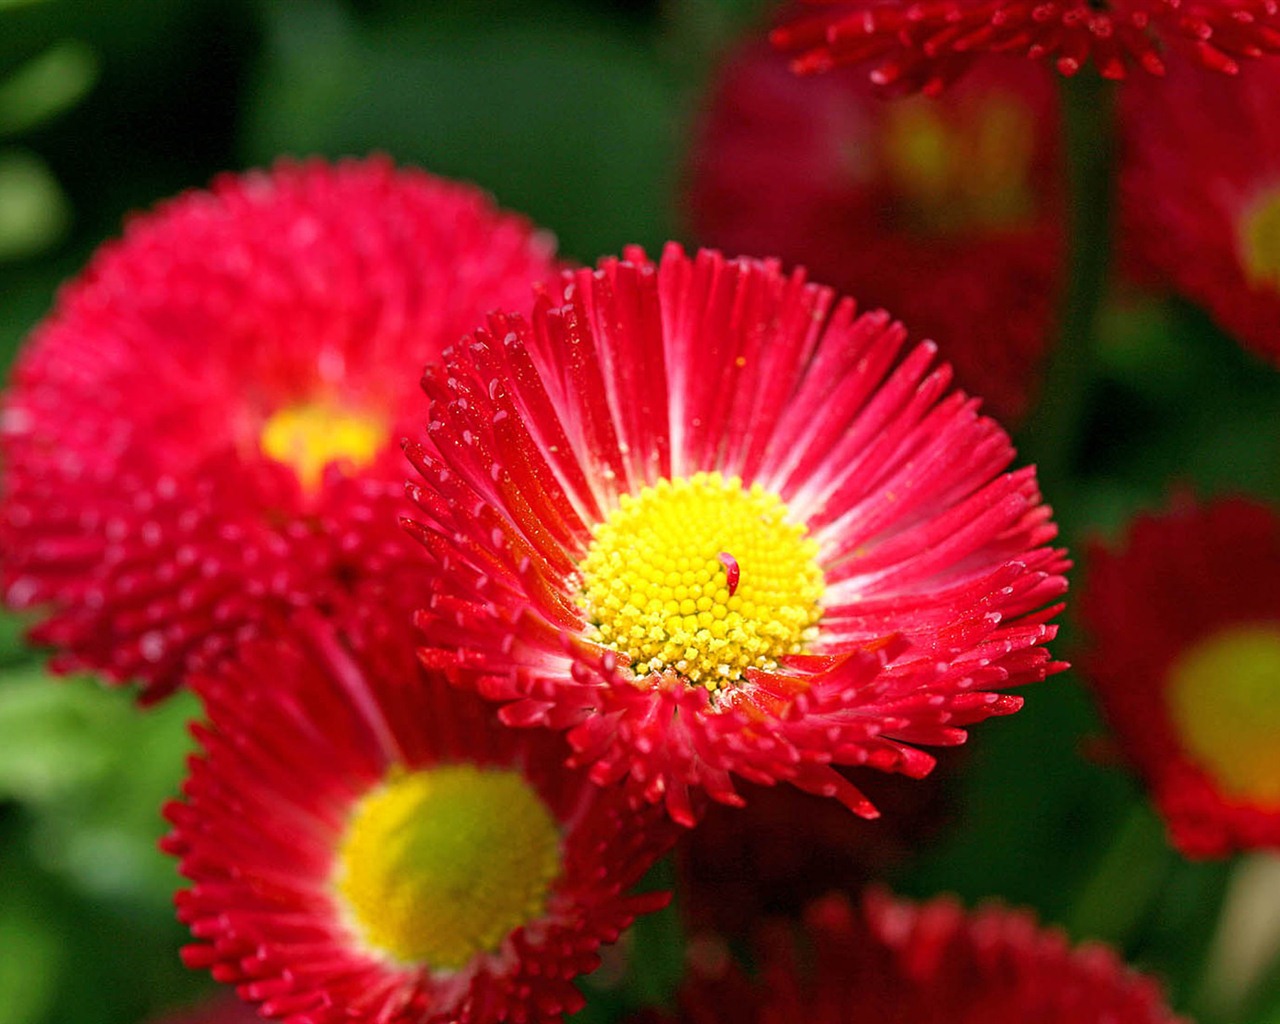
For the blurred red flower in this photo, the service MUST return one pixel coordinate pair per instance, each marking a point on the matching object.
(948, 212)
(1185, 662)
(1200, 194)
(204, 434)
(928, 963)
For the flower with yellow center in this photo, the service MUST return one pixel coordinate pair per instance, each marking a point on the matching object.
(947, 210)
(202, 437)
(1224, 700)
(309, 436)
(1185, 620)
(1199, 194)
(440, 864)
(702, 577)
(366, 844)
(710, 523)
(962, 169)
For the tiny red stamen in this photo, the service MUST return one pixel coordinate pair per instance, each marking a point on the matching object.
(732, 571)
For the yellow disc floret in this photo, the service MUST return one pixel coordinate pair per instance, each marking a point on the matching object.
(441, 864)
(1224, 699)
(702, 577)
(309, 436)
(1260, 242)
(962, 169)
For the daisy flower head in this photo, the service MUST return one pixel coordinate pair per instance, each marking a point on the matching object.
(1205, 218)
(711, 521)
(204, 434)
(366, 844)
(963, 191)
(926, 963)
(1185, 663)
(925, 45)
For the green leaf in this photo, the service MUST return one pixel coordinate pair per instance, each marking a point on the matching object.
(34, 212)
(568, 119)
(46, 85)
(94, 770)
(32, 960)
(55, 736)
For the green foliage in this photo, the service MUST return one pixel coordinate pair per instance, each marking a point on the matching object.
(85, 916)
(562, 113)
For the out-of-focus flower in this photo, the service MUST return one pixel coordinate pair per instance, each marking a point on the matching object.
(785, 848)
(929, 963)
(368, 845)
(948, 212)
(702, 516)
(924, 45)
(1200, 194)
(1185, 661)
(204, 434)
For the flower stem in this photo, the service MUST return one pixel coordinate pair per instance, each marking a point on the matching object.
(1052, 438)
(1125, 880)
(657, 963)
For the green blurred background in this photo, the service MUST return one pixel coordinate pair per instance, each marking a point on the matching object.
(577, 113)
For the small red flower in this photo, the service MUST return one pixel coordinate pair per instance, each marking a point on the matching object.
(876, 197)
(204, 434)
(584, 472)
(367, 845)
(926, 44)
(1185, 661)
(929, 963)
(1205, 218)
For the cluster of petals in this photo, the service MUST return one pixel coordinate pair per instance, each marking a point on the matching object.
(1177, 579)
(939, 572)
(809, 170)
(299, 729)
(923, 44)
(140, 516)
(928, 963)
(1188, 211)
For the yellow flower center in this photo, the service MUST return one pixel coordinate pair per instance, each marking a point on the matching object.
(961, 169)
(1224, 699)
(1260, 242)
(308, 436)
(441, 864)
(703, 577)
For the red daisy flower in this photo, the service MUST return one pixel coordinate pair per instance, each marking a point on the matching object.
(702, 516)
(204, 435)
(930, 963)
(1185, 662)
(963, 192)
(1206, 217)
(366, 844)
(928, 43)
